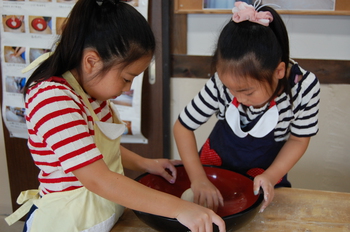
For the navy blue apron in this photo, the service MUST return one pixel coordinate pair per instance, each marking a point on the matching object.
(244, 154)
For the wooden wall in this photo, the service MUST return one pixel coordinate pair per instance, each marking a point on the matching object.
(327, 71)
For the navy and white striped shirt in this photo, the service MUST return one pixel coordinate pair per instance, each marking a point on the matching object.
(299, 118)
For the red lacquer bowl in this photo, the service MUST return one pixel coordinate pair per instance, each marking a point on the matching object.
(13, 23)
(240, 203)
(39, 24)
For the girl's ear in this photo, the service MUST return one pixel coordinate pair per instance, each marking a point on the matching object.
(91, 61)
(280, 70)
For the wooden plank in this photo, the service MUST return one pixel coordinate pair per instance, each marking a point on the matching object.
(178, 32)
(327, 71)
(188, 5)
(191, 66)
(304, 210)
(129, 222)
(342, 5)
(291, 210)
(314, 12)
(282, 12)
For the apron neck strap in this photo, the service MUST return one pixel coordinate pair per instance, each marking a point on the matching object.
(75, 85)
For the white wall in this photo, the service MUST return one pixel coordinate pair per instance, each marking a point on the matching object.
(311, 36)
(326, 164)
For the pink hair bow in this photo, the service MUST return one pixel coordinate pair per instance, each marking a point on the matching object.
(243, 12)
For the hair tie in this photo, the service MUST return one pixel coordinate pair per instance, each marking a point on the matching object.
(243, 12)
(100, 2)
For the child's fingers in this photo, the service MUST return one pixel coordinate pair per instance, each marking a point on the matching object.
(164, 168)
(256, 187)
(170, 175)
(220, 223)
(267, 189)
(221, 199)
(166, 175)
(267, 200)
(268, 196)
(263, 207)
(176, 162)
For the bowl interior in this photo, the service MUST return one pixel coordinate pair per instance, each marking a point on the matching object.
(39, 24)
(236, 189)
(13, 23)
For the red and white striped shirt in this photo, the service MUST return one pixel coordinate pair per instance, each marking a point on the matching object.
(61, 133)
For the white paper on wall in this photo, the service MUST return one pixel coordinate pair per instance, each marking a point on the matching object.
(28, 30)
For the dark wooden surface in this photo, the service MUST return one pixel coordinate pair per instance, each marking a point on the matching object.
(327, 71)
(23, 174)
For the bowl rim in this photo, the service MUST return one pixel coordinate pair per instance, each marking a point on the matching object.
(253, 206)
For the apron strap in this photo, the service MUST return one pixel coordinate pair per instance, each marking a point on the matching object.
(37, 61)
(118, 129)
(26, 199)
(74, 83)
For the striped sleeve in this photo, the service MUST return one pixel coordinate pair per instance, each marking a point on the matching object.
(306, 107)
(58, 128)
(210, 100)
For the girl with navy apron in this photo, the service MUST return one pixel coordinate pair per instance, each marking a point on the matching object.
(249, 151)
(266, 105)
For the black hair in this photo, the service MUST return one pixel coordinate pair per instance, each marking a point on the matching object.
(115, 30)
(253, 50)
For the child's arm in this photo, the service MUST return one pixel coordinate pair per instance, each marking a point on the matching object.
(135, 162)
(97, 178)
(205, 193)
(291, 152)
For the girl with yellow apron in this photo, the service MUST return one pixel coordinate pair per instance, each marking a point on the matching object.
(80, 209)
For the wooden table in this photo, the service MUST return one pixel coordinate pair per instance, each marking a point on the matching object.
(291, 210)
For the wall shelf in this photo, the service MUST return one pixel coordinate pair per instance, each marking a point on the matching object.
(342, 7)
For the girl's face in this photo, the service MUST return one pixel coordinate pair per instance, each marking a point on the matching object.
(249, 91)
(116, 81)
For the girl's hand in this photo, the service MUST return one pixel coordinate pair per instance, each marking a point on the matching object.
(269, 190)
(162, 167)
(206, 194)
(200, 219)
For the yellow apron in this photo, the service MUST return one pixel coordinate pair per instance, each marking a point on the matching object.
(80, 209)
